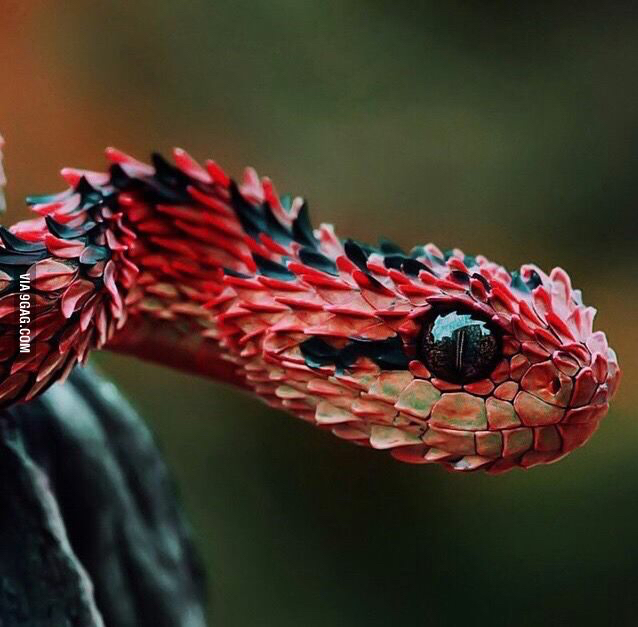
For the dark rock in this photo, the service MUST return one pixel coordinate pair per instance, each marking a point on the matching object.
(90, 530)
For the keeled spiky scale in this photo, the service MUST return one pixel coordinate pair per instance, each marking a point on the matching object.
(232, 280)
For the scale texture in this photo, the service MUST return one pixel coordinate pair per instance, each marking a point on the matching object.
(178, 263)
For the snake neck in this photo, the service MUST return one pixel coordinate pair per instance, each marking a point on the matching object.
(211, 255)
(174, 263)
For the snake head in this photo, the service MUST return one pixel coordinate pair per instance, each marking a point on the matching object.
(445, 358)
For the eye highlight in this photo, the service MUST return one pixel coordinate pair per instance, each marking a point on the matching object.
(459, 346)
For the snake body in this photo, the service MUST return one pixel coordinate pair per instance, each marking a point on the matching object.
(179, 263)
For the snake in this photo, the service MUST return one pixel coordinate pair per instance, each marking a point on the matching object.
(437, 357)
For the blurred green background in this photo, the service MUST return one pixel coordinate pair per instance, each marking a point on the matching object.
(509, 129)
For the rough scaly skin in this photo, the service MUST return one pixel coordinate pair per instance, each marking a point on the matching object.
(179, 264)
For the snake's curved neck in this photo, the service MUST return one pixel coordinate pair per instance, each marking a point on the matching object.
(145, 260)
(167, 345)
(201, 240)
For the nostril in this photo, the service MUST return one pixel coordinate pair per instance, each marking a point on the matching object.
(555, 385)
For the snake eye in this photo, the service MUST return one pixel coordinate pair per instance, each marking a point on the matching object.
(459, 346)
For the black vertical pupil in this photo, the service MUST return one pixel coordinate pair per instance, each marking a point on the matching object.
(459, 346)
